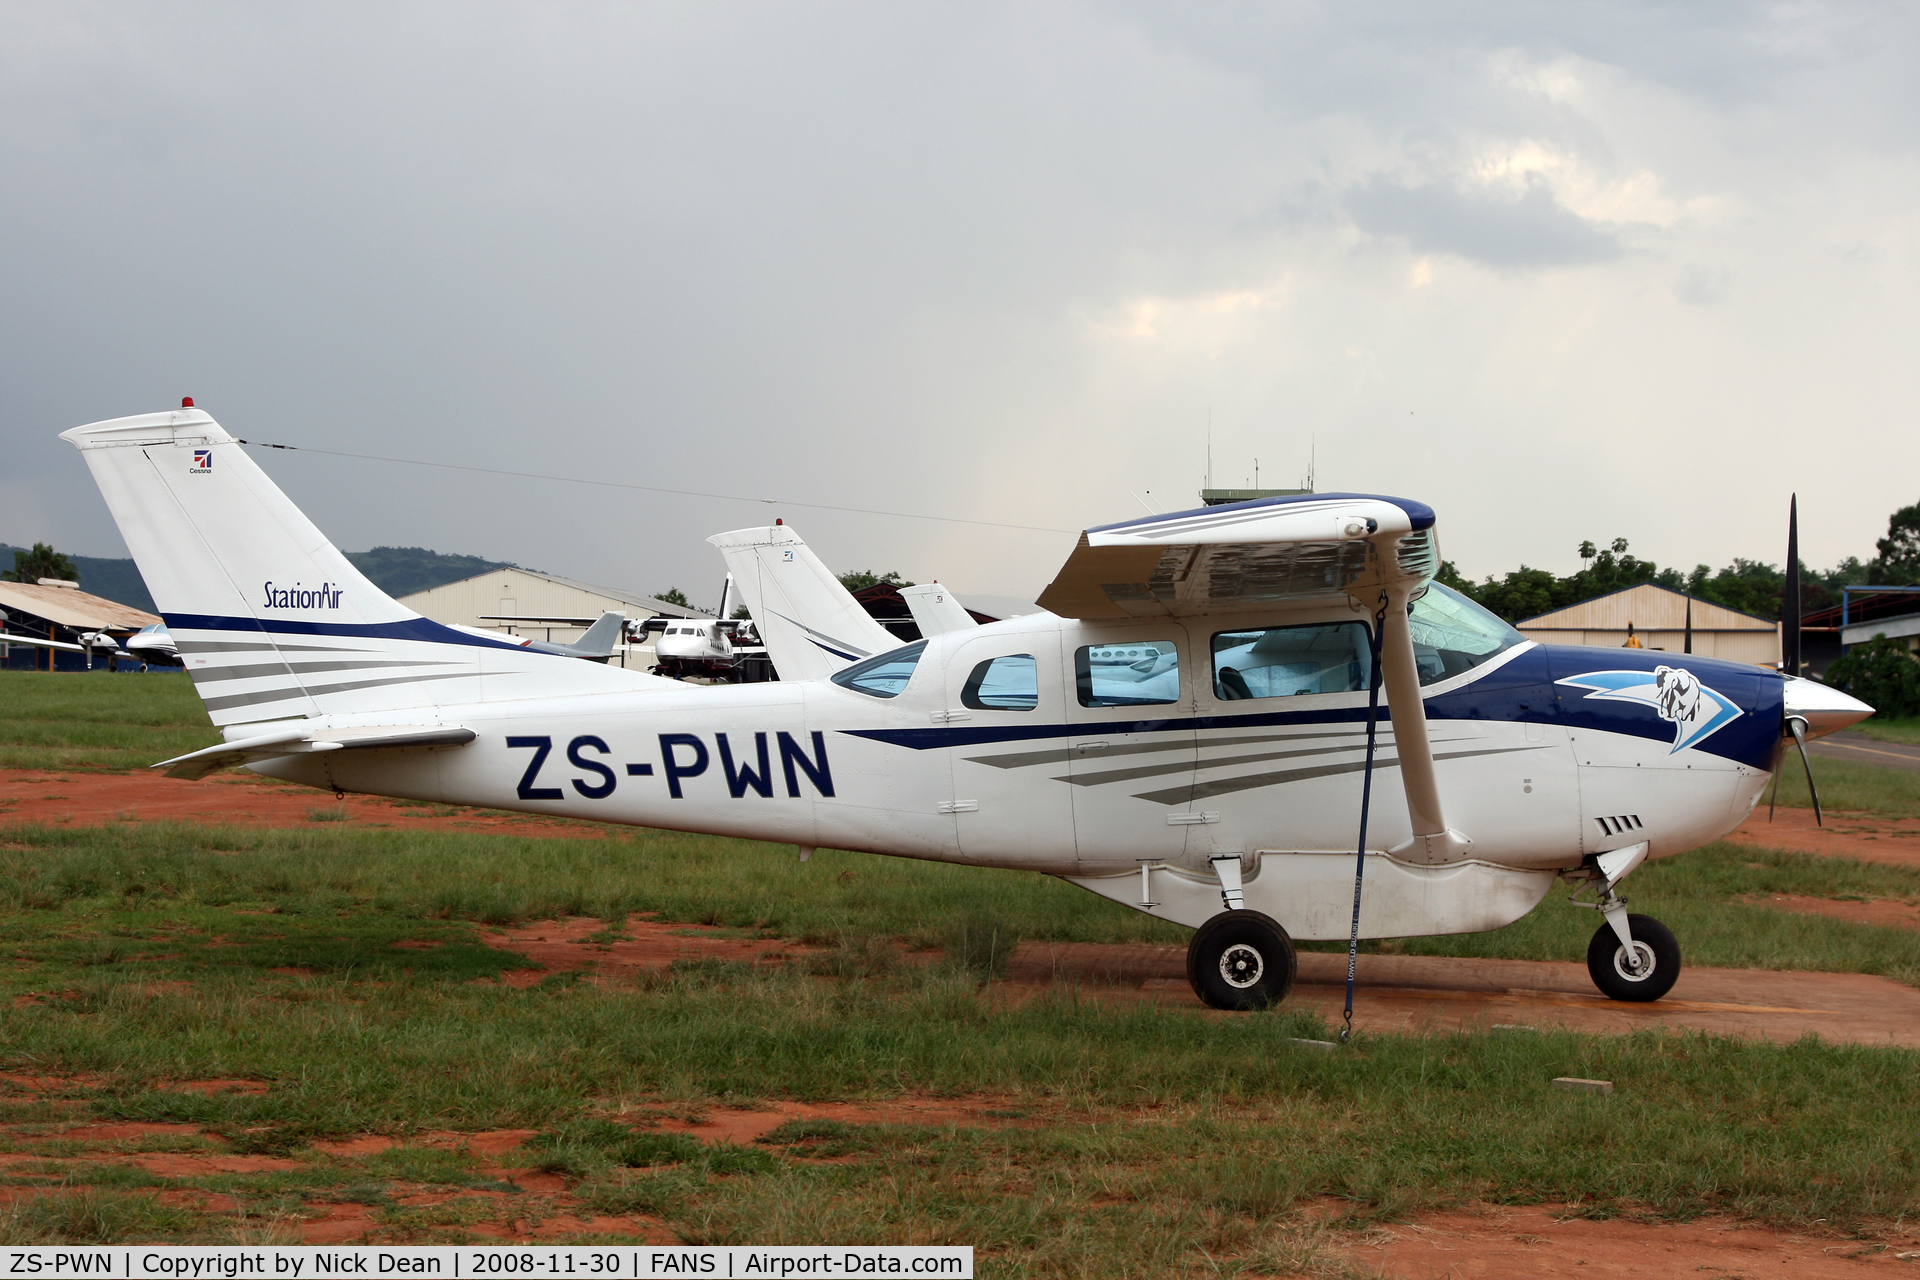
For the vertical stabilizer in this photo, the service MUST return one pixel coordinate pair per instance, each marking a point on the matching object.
(271, 621)
(812, 626)
(934, 609)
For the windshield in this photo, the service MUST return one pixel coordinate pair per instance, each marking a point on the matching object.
(885, 675)
(1452, 634)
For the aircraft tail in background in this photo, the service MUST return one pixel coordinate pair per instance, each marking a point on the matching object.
(812, 626)
(270, 619)
(935, 610)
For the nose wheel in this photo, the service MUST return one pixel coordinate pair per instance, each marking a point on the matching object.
(1241, 960)
(1645, 971)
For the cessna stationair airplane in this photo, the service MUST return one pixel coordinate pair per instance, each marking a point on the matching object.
(1185, 732)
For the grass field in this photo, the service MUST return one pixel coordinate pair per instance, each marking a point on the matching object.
(1135, 1139)
(1150, 1137)
(98, 720)
(1905, 730)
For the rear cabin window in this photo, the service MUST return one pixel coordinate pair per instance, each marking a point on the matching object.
(883, 676)
(1134, 674)
(1285, 662)
(1011, 683)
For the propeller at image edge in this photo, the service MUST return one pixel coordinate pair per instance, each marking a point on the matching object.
(1810, 709)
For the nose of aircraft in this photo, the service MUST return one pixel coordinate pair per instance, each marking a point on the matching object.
(1824, 710)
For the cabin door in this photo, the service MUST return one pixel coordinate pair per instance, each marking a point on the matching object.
(1011, 802)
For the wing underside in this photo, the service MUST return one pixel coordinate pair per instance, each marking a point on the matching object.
(1223, 558)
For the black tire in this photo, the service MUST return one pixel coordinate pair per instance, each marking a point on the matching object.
(1241, 960)
(1606, 961)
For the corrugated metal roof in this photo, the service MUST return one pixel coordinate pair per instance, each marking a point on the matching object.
(1648, 608)
(648, 603)
(69, 607)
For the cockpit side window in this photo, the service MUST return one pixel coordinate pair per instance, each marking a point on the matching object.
(1281, 662)
(1452, 634)
(884, 675)
(1009, 683)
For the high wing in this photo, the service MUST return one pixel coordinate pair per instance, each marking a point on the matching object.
(1216, 559)
(1374, 550)
(61, 645)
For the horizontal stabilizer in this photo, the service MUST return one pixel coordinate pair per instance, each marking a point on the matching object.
(1242, 554)
(306, 741)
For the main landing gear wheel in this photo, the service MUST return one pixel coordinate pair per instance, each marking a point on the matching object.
(1647, 975)
(1241, 960)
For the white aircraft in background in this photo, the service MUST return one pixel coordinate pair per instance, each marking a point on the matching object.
(809, 622)
(91, 643)
(152, 645)
(1043, 742)
(936, 610)
(720, 648)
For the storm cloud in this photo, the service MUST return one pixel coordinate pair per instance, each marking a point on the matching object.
(995, 262)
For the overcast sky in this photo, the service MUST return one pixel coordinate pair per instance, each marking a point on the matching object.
(1562, 272)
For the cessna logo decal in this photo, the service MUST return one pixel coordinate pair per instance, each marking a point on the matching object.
(1675, 695)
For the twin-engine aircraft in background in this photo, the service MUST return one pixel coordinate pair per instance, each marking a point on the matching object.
(718, 648)
(1185, 732)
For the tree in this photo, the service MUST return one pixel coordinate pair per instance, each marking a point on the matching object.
(1751, 586)
(1898, 564)
(41, 562)
(672, 595)
(1882, 674)
(861, 579)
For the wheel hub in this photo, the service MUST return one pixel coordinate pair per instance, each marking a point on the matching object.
(1241, 966)
(1638, 966)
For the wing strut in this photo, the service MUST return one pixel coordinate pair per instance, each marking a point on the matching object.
(1433, 840)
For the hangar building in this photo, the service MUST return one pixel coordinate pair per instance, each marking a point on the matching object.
(59, 610)
(1658, 618)
(522, 602)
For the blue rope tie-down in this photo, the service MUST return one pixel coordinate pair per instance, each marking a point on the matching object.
(1366, 799)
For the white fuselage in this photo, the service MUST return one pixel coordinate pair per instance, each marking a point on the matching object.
(1089, 793)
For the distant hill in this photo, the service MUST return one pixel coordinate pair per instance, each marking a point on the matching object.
(398, 571)
(401, 571)
(115, 580)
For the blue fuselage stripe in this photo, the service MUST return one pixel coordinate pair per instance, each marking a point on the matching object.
(1522, 691)
(422, 629)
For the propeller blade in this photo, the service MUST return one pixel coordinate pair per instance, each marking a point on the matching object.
(1790, 597)
(1799, 728)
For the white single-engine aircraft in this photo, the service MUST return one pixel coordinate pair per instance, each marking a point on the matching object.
(1185, 732)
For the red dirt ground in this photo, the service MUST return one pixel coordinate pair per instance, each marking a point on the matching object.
(563, 945)
(1535, 1243)
(248, 800)
(1868, 837)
